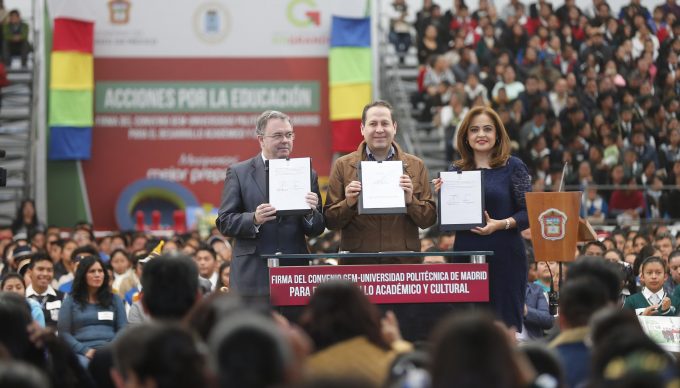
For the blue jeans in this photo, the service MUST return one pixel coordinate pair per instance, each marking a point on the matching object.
(401, 41)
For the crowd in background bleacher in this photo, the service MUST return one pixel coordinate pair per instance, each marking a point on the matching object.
(596, 87)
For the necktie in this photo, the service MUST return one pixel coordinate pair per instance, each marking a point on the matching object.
(654, 299)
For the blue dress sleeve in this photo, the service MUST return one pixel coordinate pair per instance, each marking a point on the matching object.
(521, 184)
(66, 326)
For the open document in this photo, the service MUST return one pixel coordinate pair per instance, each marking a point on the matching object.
(288, 182)
(380, 190)
(665, 331)
(461, 200)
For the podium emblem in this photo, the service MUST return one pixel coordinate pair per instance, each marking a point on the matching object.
(553, 224)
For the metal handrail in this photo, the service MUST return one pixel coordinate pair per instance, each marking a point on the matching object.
(349, 255)
(31, 151)
(476, 257)
(617, 187)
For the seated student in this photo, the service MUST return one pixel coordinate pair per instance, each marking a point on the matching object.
(49, 353)
(472, 350)
(671, 284)
(74, 255)
(594, 248)
(171, 287)
(131, 286)
(158, 354)
(15, 36)
(579, 299)
(594, 206)
(248, 349)
(13, 282)
(41, 272)
(121, 263)
(349, 335)
(537, 315)
(547, 273)
(652, 300)
(63, 267)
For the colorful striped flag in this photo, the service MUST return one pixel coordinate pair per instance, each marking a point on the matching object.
(71, 88)
(350, 77)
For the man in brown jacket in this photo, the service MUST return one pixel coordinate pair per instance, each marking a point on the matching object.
(379, 233)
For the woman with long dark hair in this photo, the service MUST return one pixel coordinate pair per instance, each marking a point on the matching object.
(26, 219)
(92, 315)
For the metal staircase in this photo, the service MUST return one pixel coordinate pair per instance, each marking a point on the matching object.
(398, 83)
(16, 139)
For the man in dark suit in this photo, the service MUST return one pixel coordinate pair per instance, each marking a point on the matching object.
(245, 215)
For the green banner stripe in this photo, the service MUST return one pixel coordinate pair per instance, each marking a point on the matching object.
(70, 108)
(65, 203)
(349, 65)
(191, 97)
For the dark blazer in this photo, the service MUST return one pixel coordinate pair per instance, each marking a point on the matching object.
(538, 313)
(244, 190)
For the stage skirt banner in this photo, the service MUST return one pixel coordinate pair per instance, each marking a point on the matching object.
(412, 283)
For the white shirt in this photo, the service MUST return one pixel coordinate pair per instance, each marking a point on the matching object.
(512, 90)
(118, 279)
(557, 102)
(639, 45)
(213, 280)
(30, 291)
(648, 294)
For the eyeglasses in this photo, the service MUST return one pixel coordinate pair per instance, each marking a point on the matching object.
(281, 136)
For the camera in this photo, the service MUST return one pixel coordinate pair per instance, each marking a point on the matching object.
(628, 277)
(553, 299)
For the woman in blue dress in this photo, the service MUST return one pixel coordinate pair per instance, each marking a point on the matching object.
(484, 144)
(92, 315)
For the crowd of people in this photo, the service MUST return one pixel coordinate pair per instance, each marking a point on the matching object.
(595, 87)
(188, 329)
(129, 308)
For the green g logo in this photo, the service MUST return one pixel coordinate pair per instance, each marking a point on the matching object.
(307, 18)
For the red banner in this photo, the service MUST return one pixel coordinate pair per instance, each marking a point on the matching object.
(202, 121)
(415, 283)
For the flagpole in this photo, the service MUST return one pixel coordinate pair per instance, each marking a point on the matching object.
(373, 6)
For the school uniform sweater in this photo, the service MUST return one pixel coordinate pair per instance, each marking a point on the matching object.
(638, 301)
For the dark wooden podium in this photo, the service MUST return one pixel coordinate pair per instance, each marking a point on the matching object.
(555, 225)
(423, 302)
